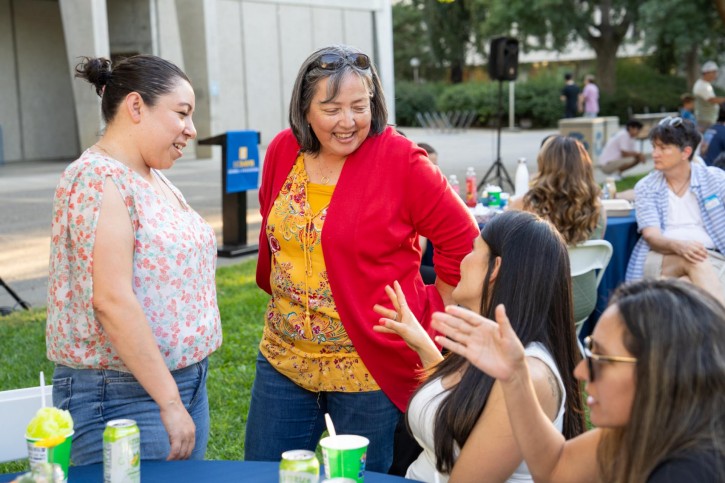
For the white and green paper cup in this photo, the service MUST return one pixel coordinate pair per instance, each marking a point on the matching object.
(344, 456)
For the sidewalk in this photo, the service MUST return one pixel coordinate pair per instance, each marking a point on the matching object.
(26, 194)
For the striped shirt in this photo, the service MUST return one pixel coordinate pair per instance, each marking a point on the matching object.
(651, 202)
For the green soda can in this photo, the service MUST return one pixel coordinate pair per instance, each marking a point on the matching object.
(122, 452)
(299, 466)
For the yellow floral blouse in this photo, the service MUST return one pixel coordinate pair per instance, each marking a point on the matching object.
(304, 338)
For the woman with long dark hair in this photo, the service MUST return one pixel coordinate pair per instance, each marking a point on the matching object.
(458, 415)
(655, 377)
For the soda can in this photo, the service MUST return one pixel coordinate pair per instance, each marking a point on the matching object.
(299, 466)
(122, 452)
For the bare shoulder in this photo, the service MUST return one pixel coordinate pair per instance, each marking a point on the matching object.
(546, 385)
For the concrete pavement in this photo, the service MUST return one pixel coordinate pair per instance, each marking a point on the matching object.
(26, 193)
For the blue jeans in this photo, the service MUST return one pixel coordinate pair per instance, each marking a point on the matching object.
(283, 416)
(94, 397)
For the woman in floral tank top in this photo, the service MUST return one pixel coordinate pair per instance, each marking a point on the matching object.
(132, 313)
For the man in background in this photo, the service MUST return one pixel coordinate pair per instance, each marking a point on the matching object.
(620, 153)
(569, 96)
(589, 98)
(706, 103)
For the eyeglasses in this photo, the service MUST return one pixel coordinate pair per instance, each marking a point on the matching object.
(671, 121)
(335, 61)
(592, 358)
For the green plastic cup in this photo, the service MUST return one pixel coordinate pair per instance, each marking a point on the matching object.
(344, 456)
(59, 454)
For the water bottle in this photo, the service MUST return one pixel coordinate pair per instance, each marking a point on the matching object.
(605, 191)
(611, 187)
(471, 187)
(522, 178)
(455, 186)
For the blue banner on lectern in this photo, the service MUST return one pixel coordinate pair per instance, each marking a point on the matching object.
(242, 163)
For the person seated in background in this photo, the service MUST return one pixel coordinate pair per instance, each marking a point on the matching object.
(680, 212)
(621, 153)
(713, 142)
(655, 383)
(564, 192)
(687, 107)
(432, 153)
(458, 413)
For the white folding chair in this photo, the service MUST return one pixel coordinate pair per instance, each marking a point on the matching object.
(17, 408)
(585, 258)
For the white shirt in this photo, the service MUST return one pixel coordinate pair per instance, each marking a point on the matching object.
(704, 111)
(684, 220)
(421, 416)
(621, 141)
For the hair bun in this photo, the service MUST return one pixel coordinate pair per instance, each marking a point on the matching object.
(96, 71)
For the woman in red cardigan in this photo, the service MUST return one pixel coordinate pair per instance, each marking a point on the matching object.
(343, 200)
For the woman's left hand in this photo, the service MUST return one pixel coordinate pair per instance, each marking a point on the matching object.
(402, 322)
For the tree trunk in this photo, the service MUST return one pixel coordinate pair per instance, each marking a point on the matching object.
(606, 65)
(720, 6)
(691, 66)
(456, 72)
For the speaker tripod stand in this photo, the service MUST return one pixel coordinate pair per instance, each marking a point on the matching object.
(500, 170)
(21, 302)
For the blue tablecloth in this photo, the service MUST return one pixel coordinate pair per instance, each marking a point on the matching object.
(622, 233)
(201, 471)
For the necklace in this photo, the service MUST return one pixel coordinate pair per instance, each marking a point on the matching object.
(324, 179)
(678, 191)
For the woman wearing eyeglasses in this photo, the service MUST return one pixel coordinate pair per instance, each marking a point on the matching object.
(459, 415)
(343, 199)
(680, 212)
(655, 378)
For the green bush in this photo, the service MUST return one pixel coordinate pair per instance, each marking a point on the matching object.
(640, 89)
(412, 98)
(538, 100)
(470, 96)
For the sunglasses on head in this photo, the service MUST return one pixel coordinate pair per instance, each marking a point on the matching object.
(335, 61)
(597, 358)
(671, 121)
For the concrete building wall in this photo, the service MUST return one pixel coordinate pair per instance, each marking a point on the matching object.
(37, 115)
(241, 55)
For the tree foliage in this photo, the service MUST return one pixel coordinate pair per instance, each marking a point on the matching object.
(681, 33)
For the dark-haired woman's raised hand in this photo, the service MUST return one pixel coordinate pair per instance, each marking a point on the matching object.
(402, 321)
(491, 346)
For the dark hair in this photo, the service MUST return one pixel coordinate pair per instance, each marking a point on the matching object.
(534, 284)
(428, 148)
(686, 97)
(634, 123)
(683, 135)
(677, 333)
(310, 74)
(148, 75)
(568, 76)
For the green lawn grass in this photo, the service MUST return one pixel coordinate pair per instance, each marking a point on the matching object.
(231, 368)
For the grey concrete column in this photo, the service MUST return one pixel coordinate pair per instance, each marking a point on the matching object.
(85, 28)
(197, 19)
(384, 42)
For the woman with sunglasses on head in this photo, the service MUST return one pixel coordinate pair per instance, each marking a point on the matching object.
(655, 378)
(343, 200)
(680, 210)
(132, 312)
(458, 415)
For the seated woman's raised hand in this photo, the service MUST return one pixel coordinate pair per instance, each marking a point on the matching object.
(402, 321)
(493, 347)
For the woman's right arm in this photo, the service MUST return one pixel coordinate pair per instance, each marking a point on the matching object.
(124, 321)
(495, 349)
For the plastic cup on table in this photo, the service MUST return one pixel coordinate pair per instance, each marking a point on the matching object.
(55, 449)
(344, 456)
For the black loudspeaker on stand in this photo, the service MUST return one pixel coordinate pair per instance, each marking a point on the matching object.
(503, 65)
